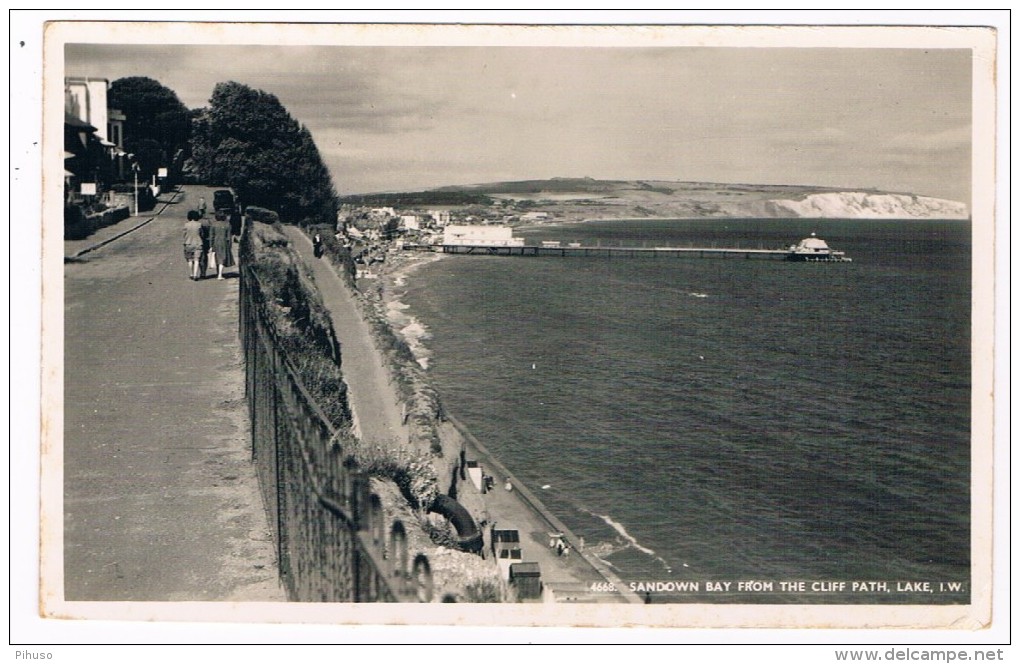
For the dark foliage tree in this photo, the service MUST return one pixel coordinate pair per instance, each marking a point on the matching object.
(247, 140)
(149, 155)
(154, 116)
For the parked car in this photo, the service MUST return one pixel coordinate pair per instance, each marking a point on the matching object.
(223, 199)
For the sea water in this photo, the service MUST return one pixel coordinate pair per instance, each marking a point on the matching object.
(725, 419)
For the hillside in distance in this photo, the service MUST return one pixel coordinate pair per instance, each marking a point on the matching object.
(587, 198)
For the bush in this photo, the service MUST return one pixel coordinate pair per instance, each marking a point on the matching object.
(483, 591)
(299, 318)
(262, 215)
(412, 472)
(76, 225)
(119, 213)
(441, 534)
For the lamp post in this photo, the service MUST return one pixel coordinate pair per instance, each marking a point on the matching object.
(134, 168)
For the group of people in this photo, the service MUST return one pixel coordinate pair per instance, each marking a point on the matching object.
(558, 542)
(207, 242)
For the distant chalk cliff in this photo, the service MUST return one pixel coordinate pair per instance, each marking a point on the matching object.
(863, 205)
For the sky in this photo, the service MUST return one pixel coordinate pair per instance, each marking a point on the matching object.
(398, 118)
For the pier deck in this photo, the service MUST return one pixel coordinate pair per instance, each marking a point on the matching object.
(615, 252)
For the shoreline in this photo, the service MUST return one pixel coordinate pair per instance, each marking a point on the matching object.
(572, 574)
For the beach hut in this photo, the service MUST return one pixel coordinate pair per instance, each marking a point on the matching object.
(527, 579)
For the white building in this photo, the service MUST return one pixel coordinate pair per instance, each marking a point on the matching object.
(441, 217)
(535, 216)
(85, 99)
(481, 236)
(410, 222)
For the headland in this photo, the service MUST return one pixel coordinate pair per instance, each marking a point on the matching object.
(569, 200)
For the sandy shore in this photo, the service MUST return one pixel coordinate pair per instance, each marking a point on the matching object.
(567, 578)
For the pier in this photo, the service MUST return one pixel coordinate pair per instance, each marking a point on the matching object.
(572, 250)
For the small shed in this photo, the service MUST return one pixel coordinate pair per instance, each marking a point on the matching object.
(527, 579)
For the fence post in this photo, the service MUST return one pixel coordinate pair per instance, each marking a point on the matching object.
(421, 575)
(398, 549)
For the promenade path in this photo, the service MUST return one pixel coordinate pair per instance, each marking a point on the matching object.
(161, 501)
(372, 398)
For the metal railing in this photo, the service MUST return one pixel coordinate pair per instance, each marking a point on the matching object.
(333, 542)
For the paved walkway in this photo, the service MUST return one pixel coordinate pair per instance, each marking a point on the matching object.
(161, 501)
(75, 249)
(373, 399)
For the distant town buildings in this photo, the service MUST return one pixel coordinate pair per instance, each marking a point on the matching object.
(481, 236)
(440, 217)
(372, 232)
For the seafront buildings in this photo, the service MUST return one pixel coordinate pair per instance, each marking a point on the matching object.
(481, 236)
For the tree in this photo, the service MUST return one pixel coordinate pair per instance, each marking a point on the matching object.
(149, 156)
(154, 116)
(247, 140)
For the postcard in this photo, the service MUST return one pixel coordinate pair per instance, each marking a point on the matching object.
(681, 326)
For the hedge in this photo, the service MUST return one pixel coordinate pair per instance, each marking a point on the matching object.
(78, 225)
(302, 324)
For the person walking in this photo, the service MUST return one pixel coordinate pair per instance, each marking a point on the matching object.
(201, 207)
(236, 224)
(220, 241)
(203, 262)
(193, 243)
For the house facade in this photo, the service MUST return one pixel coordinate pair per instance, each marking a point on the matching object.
(85, 99)
(99, 130)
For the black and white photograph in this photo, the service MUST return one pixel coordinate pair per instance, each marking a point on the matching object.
(675, 326)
